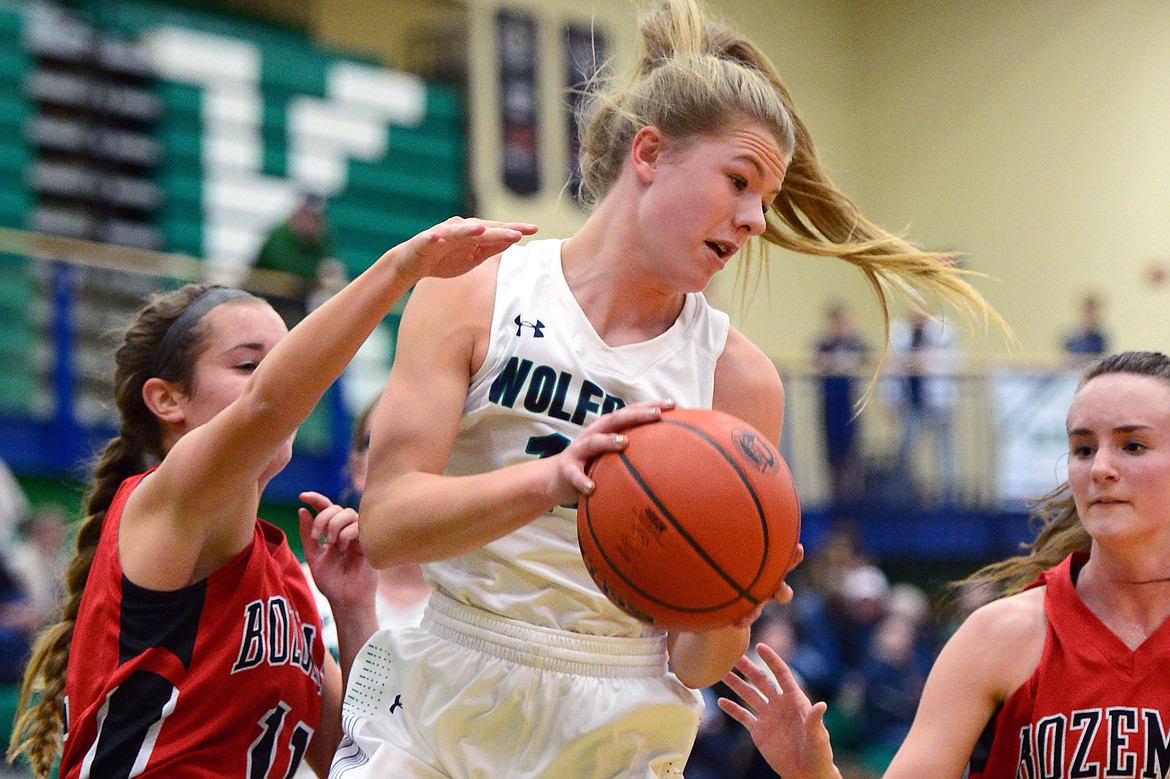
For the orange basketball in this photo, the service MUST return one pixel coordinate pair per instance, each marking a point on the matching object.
(693, 524)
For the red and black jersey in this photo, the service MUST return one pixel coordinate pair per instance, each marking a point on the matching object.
(220, 678)
(1093, 707)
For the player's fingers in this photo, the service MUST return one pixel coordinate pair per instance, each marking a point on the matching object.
(785, 681)
(756, 676)
(305, 526)
(747, 692)
(320, 529)
(797, 557)
(315, 500)
(816, 717)
(784, 593)
(632, 415)
(335, 519)
(579, 481)
(347, 537)
(526, 228)
(737, 712)
(460, 220)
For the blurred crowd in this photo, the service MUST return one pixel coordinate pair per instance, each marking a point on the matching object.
(854, 640)
(34, 551)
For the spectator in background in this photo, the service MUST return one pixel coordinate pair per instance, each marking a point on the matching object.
(17, 625)
(924, 359)
(818, 585)
(39, 560)
(893, 673)
(839, 358)
(1089, 340)
(779, 629)
(298, 246)
(14, 505)
(911, 603)
(891, 686)
(858, 610)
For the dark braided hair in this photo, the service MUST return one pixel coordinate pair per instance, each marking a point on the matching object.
(137, 447)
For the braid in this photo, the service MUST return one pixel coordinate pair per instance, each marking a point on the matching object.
(38, 726)
(40, 719)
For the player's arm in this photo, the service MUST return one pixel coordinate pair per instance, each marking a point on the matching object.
(410, 511)
(198, 510)
(327, 737)
(748, 386)
(994, 652)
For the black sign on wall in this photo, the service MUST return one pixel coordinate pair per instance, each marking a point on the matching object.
(586, 50)
(519, 102)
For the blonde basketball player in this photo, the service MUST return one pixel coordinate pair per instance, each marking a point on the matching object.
(508, 381)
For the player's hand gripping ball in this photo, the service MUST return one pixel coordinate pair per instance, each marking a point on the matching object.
(693, 524)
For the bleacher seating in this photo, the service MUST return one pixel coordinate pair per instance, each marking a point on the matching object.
(108, 135)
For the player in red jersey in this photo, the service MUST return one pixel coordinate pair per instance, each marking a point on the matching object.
(1070, 670)
(190, 645)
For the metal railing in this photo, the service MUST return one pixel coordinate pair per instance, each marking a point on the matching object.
(1007, 421)
(80, 296)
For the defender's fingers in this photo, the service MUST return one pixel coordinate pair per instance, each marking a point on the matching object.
(315, 500)
(737, 712)
(748, 692)
(784, 679)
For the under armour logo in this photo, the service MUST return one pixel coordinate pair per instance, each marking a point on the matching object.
(397, 704)
(537, 329)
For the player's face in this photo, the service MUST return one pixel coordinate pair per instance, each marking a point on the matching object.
(240, 335)
(1119, 455)
(709, 196)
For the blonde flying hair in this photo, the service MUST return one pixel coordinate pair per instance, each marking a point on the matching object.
(138, 446)
(698, 77)
(1059, 529)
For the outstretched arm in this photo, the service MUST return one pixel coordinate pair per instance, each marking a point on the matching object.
(786, 727)
(198, 510)
(994, 652)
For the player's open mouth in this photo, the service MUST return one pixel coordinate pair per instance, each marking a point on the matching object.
(724, 250)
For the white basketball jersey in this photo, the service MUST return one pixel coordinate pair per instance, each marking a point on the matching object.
(547, 375)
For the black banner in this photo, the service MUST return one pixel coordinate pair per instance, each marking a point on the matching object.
(519, 104)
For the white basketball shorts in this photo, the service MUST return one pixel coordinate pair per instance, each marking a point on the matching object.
(471, 695)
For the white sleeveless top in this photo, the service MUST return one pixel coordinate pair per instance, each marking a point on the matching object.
(546, 375)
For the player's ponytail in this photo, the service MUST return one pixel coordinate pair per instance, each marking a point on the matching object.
(697, 76)
(1059, 534)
